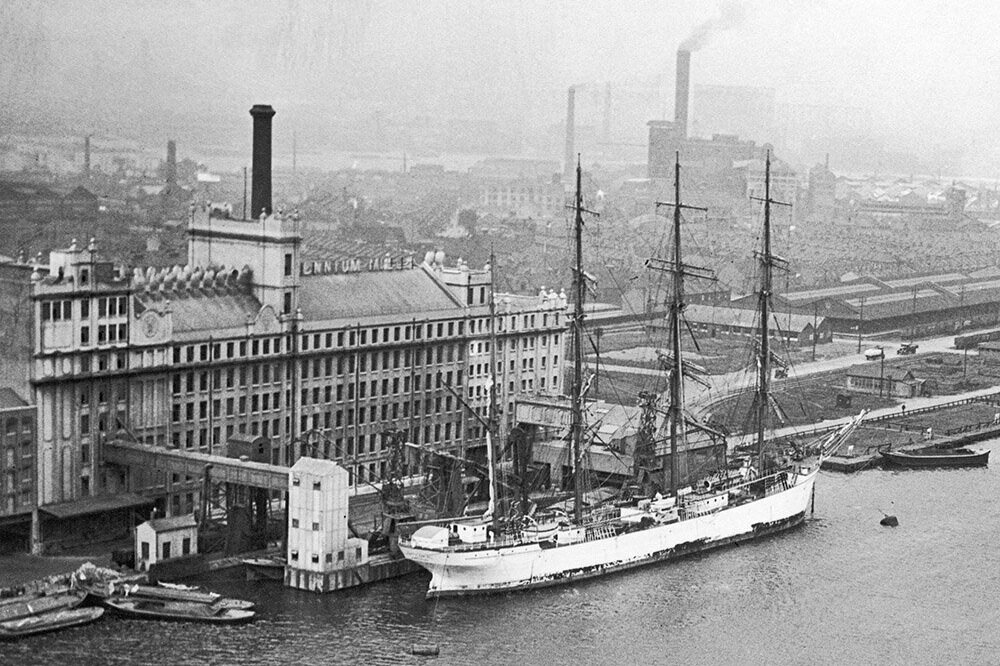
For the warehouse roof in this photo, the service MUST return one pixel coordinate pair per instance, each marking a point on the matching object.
(373, 293)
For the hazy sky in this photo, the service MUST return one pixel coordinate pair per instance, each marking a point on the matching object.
(926, 69)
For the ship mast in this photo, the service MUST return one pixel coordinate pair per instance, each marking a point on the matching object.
(767, 263)
(676, 309)
(579, 291)
(491, 418)
(678, 270)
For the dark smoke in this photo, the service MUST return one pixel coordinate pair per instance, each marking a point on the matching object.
(731, 14)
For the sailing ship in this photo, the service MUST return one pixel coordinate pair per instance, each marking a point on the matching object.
(764, 496)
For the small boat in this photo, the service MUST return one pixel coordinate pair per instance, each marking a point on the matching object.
(184, 611)
(22, 607)
(46, 622)
(934, 457)
(178, 586)
(264, 568)
(185, 594)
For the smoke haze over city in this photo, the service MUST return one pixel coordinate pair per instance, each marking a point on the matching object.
(912, 72)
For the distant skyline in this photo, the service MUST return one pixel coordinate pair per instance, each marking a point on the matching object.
(924, 70)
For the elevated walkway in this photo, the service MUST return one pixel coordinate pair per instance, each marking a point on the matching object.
(192, 463)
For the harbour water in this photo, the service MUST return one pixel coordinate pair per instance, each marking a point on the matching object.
(840, 590)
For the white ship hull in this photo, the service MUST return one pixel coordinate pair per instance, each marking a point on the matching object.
(477, 570)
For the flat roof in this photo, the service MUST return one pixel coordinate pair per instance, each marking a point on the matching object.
(894, 298)
(939, 278)
(843, 290)
(100, 504)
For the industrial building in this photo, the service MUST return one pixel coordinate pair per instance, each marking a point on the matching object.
(915, 306)
(250, 340)
(17, 477)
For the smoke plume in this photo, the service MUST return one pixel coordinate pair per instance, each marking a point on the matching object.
(731, 14)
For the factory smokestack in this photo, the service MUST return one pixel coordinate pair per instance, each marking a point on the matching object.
(682, 85)
(606, 126)
(86, 156)
(260, 194)
(569, 159)
(171, 162)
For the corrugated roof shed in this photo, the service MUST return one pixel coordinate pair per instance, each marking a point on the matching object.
(842, 290)
(744, 318)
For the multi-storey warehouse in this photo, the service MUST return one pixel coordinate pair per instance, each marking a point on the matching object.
(250, 342)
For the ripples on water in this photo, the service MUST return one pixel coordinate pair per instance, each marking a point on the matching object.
(840, 590)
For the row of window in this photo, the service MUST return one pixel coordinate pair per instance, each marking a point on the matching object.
(257, 347)
(191, 411)
(316, 368)
(106, 333)
(107, 306)
(317, 341)
(329, 556)
(329, 447)
(11, 424)
(111, 361)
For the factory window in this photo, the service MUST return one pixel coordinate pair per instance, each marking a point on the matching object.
(102, 334)
(317, 485)
(230, 349)
(287, 309)
(84, 424)
(315, 558)
(84, 335)
(315, 527)
(190, 354)
(243, 348)
(295, 555)
(340, 556)
(186, 546)
(295, 481)
(340, 339)
(295, 522)
(329, 557)
(203, 352)
(288, 264)
(84, 309)
(177, 354)
(357, 553)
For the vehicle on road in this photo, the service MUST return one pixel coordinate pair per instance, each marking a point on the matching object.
(907, 348)
(874, 354)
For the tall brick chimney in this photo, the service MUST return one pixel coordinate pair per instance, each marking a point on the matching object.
(681, 87)
(171, 162)
(260, 195)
